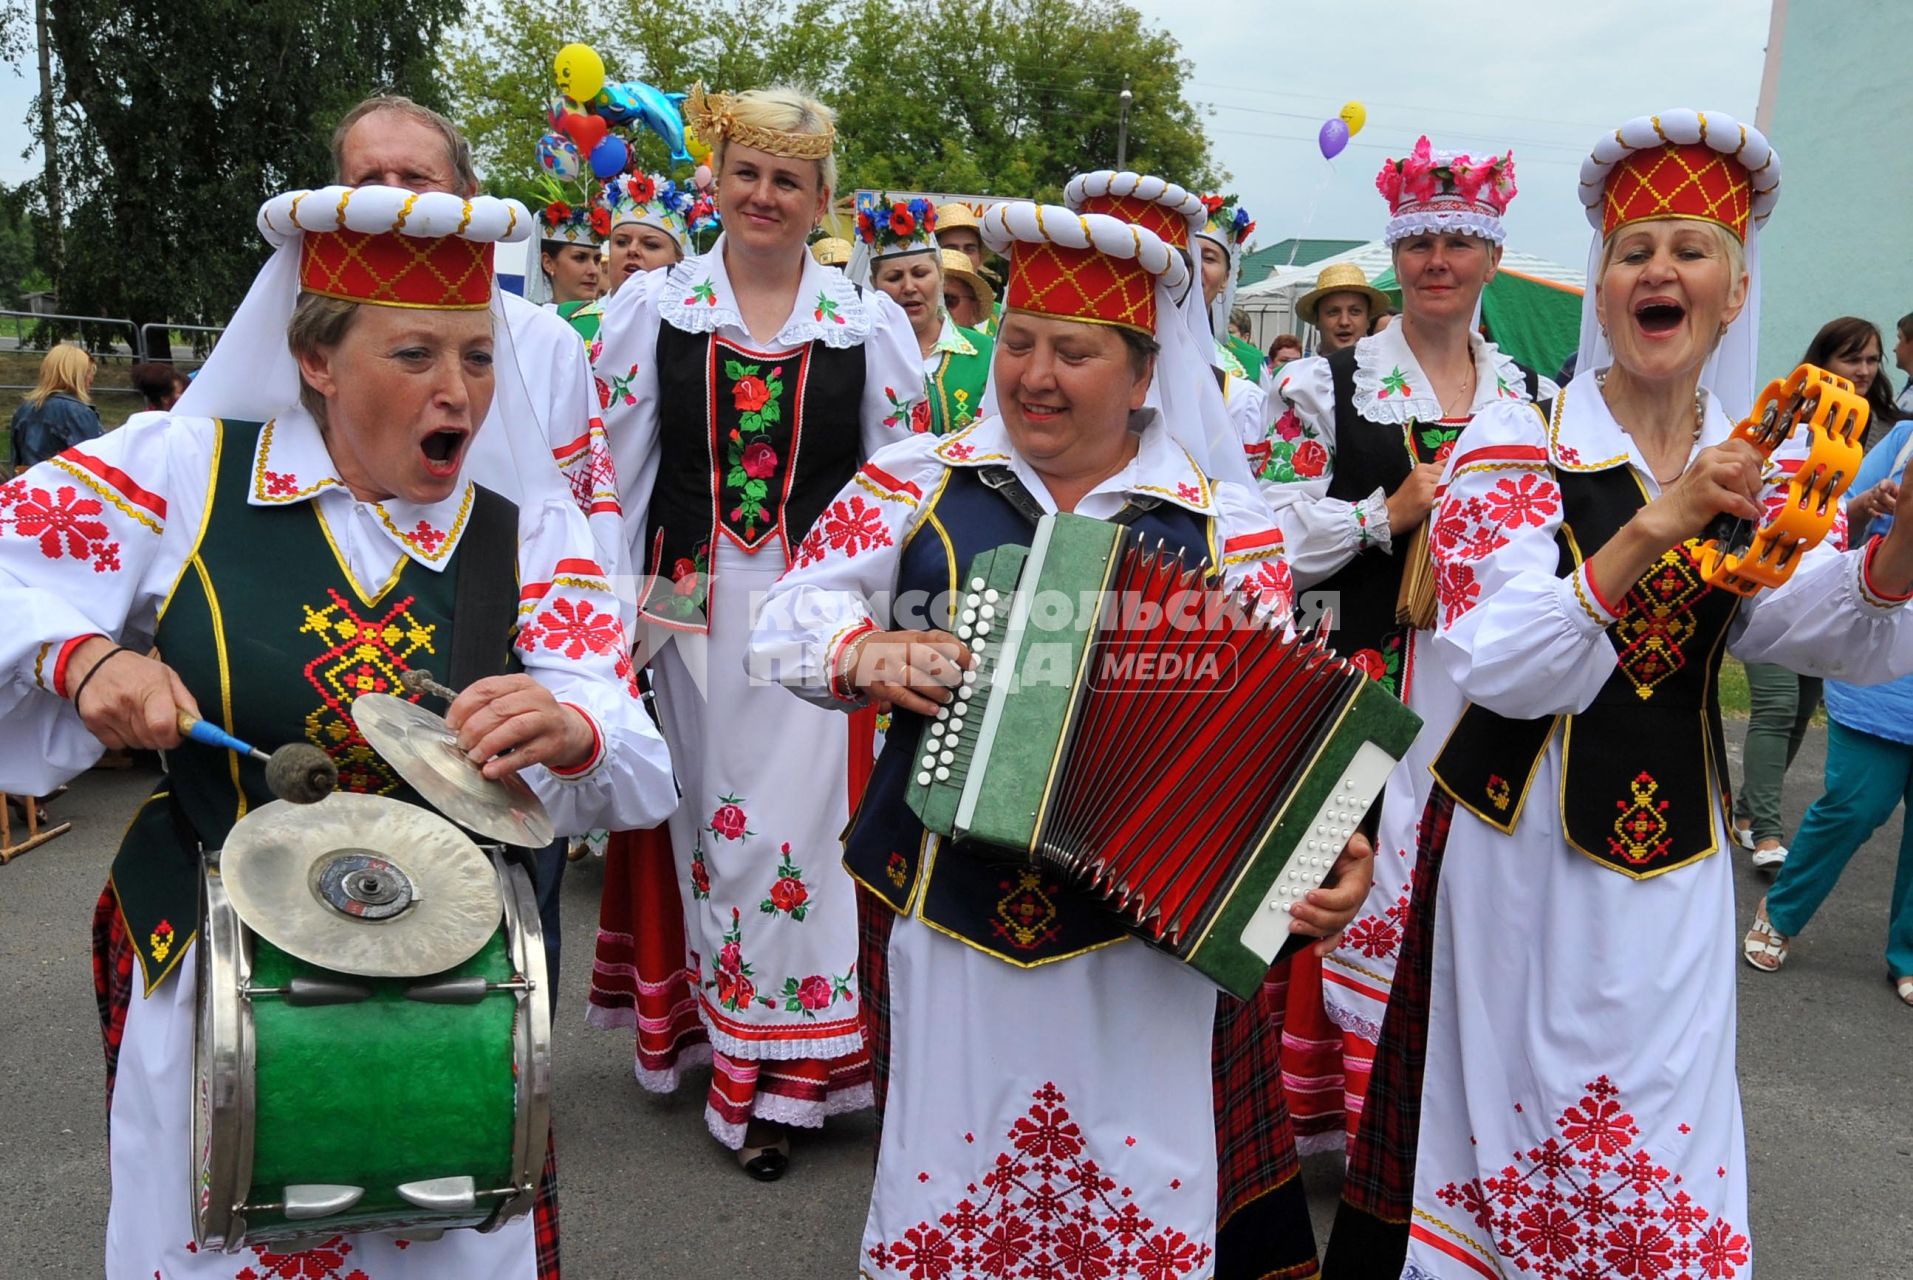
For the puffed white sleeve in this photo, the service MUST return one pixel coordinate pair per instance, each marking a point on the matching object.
(1832, 618)
(625, 383)
(571, 640)
(1254, 553)
(842, 581)
(896, 398)
(580, 445)
(1513, 634)
(91, 543)
(1297, 463)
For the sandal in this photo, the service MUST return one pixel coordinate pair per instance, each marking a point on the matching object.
(766, 1163)
(1765, 947)
(1904, 986)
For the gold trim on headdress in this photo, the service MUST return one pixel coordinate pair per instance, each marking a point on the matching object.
(714, 116)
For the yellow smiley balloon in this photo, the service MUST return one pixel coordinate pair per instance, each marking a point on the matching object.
(579, 72)
(1354, 115)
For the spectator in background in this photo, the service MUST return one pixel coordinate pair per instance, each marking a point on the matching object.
(1852, 348)
(58, 413)
(1869, 772)
(1382, 321)
(1241, 343)
(1285, 348)
(1340, 306)
(1903, 357)
(159, 382)
(1781, 704)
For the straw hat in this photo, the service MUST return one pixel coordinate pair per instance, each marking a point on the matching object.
(958, 214)
(1340, 277)
(830, 251)
(956, 263)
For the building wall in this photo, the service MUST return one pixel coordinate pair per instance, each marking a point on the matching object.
(1837, 101)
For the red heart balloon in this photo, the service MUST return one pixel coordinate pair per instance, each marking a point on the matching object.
(585, 130)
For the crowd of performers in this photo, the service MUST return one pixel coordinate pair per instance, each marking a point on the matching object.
(1519, 1015)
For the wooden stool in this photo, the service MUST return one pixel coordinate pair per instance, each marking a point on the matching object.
(36, 834)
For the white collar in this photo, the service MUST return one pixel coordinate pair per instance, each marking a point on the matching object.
(291, 464)
(1391, 387)
(1162, 468)
(1583, 435)
(951, 341)
(696, 297)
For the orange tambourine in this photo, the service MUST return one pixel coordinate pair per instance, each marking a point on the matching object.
(1734, 554)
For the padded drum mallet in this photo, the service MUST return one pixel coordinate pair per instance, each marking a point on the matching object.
(298, 771)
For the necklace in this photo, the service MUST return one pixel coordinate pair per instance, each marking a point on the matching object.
(1600, 383)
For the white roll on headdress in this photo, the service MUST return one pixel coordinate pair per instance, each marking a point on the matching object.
(1696, 165)
(385, 246)
(1097, 269)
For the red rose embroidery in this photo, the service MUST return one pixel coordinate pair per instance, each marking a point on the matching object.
(920, 416)
(604, 393)
(759, 461)
(1369, 663)
(728, 822)
(701, 876)
(730, 957)
(750, 394)
(814, 992)
(1288, 426)
(787, 894)
(1310, 460)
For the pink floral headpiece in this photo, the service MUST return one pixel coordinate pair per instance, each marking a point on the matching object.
(1444, 191)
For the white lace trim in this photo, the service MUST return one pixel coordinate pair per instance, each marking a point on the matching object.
(1379, 356)
(1438, 222)
(846, 324)
(1315, 1144)
(690, 1058)
(1352, 1022)
(795, 1112)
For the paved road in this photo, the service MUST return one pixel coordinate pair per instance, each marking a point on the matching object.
(1826, 1064)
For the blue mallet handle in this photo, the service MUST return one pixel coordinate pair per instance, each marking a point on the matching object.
(211, 735)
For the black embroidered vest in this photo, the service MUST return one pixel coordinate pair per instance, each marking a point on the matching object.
(1642, 768)
(275, 638)
(750, 444)
(1015, 913)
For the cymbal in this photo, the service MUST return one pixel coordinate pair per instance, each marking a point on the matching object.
(362, 884)
(424, 751)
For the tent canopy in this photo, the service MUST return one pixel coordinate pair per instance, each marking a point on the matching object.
(1532, 308)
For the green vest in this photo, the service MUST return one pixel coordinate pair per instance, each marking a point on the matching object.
(585, 316)
(956, 388)
(1254, 363)
(274, 638)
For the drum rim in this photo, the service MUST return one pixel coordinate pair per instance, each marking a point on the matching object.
(531, 1038)
(223, 1152)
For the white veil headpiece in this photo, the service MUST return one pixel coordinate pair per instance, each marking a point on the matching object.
(251, 373)
(1730, 373)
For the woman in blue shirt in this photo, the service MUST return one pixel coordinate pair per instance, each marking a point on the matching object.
(1869, 771)
(58, 413)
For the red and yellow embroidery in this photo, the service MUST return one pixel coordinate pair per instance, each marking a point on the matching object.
(1026, 913)
(362, 655)
(1657, 619)
(1640, 833)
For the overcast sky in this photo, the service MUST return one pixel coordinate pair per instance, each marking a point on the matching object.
(1541, 76)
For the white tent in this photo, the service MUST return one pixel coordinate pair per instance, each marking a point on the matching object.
(1270, 302)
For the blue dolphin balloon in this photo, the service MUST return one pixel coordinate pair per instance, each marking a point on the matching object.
(635, 102)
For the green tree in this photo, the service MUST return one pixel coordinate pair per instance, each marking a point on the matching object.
(178, 118)
(21, 270)
(989, 96)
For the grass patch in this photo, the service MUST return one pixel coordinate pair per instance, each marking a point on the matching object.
(1734, 698)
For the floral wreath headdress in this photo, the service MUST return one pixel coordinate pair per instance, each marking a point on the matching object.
(1228, 223)
(1432, 192)
(890, 227)
(640, 198)
(714, 116)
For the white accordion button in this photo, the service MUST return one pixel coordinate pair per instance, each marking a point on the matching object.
(923, 780)
(969, 617)
(989, 610)
(976, 584)
(943, 775)
(943, 713)
(969, 677)
(946, 758)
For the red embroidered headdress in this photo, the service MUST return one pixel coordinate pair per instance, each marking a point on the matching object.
(1144, 200)
(395, 248)
(1089, 266)
(1681, 164)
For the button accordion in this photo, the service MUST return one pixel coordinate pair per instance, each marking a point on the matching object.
(1169, 746)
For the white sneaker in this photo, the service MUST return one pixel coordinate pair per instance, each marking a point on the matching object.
(1768, 859)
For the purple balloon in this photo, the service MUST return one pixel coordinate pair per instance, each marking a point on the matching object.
(1333, 137)
(609, 157)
